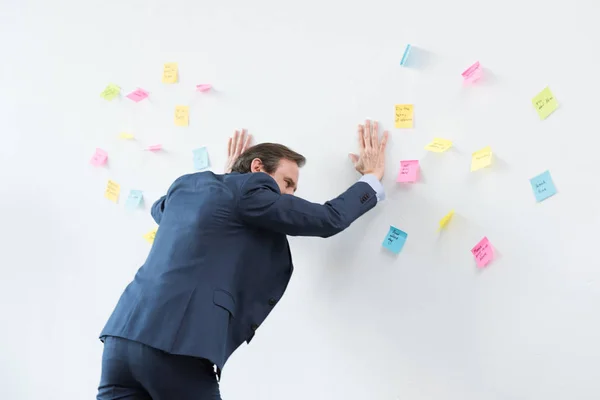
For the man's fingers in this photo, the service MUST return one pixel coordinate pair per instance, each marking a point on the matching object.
(383, 143)
(361, 137)
(240, 142)
(367, 134)
(375, 134)
(247, 142)
(229, 146)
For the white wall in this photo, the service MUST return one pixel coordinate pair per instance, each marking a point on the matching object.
(356, 323)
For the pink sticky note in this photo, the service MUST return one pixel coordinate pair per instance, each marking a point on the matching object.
(99, 158)
(409, 171)
(205, 87)
(155, 147)
(483, 252)
(473, 73)
(138, 95)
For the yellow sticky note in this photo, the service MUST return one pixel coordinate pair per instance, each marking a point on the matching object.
(170, 73)
(112, 191)
(110, 92)
(545, 103)
(126, 136)
(444, 221)
(439, 145)
(481, 159)
(404, 116)
(182, 115)
(151, 235)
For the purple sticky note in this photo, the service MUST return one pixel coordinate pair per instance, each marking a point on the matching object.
(99, 158)
(473, 73)
(205, 87)
(154, 147)
(483, 252)
(138, 95)
(409, 171)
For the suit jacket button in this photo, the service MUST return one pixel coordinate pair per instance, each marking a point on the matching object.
(272, 301)
(254, 327)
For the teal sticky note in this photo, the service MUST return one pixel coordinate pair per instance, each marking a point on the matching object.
(542, 186)
(201, 158)
(395, 239)
(134, 199)
(405, 55)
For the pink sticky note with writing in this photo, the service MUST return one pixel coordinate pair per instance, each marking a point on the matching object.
(409, 171)
(205, 87)
(473, 73)
(99, 158)
(155, 147)
(138, 95)
(483, 252)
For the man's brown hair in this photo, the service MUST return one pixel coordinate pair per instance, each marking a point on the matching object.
(270, 154)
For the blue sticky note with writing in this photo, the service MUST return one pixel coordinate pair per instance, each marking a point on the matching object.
(542, 186)
(134, 199)
(395, 239)
(201, 158)
(405, 55)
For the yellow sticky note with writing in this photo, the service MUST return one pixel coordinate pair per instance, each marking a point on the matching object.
(182, 115)
(110, 92)
(444, 221)
(481, 159)
(404, 116)
(545, 103)
(126, 136)
(112, 191)
(439, 145)
(170, 73)
(151, 235)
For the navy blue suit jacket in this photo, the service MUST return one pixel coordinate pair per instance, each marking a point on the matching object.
(221, 261)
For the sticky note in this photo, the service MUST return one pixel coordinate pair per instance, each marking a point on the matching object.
(134, 199)
(110, 92)
(138, 95)
(112, 191)
(545, 103)
(404, 116)
(395, 239)
(151, 235)
(481, 159)
(99, 158)
(473, 73)
(126, 136)
(405, 55)
(182, 115)
(409, 171)
(439, 145)
(444, 221)
(542, 186)
(205, 87)
(483, 252)
(170, 73)
(200, 158)
(154, 147)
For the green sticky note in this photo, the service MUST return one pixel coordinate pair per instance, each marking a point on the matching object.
(545, 103)
(111, 92)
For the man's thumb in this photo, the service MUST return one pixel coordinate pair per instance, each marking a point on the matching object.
(353, 158)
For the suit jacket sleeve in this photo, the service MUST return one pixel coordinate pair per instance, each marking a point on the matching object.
(261, 204)
(157, 209)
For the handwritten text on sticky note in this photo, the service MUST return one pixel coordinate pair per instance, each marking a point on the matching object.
(151, 235)
(395, 239)
(444, 221)
(110, 92)
(170, 73)
(200, 158)
(405, 54)
(99, 158)
(439, 145)
(483, 252)
(545, 103)
(112, 191)
(409, 171)
(473, 73)
(182, 115)
(137, 95)
(542, 186)
(481, 159)
(404, 116)
(134, 199)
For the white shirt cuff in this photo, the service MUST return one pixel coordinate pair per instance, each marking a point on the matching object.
(375, 184)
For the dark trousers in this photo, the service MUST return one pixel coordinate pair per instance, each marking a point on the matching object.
(133, 371)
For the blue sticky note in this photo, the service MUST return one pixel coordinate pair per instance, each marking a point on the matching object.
(201, 158)
(134, 199)
(395, 239)
(405, 55)
(542, 186)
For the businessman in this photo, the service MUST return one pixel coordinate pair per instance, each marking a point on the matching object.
(219, 264)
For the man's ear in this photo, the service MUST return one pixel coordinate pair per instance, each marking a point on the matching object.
(257, 165)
